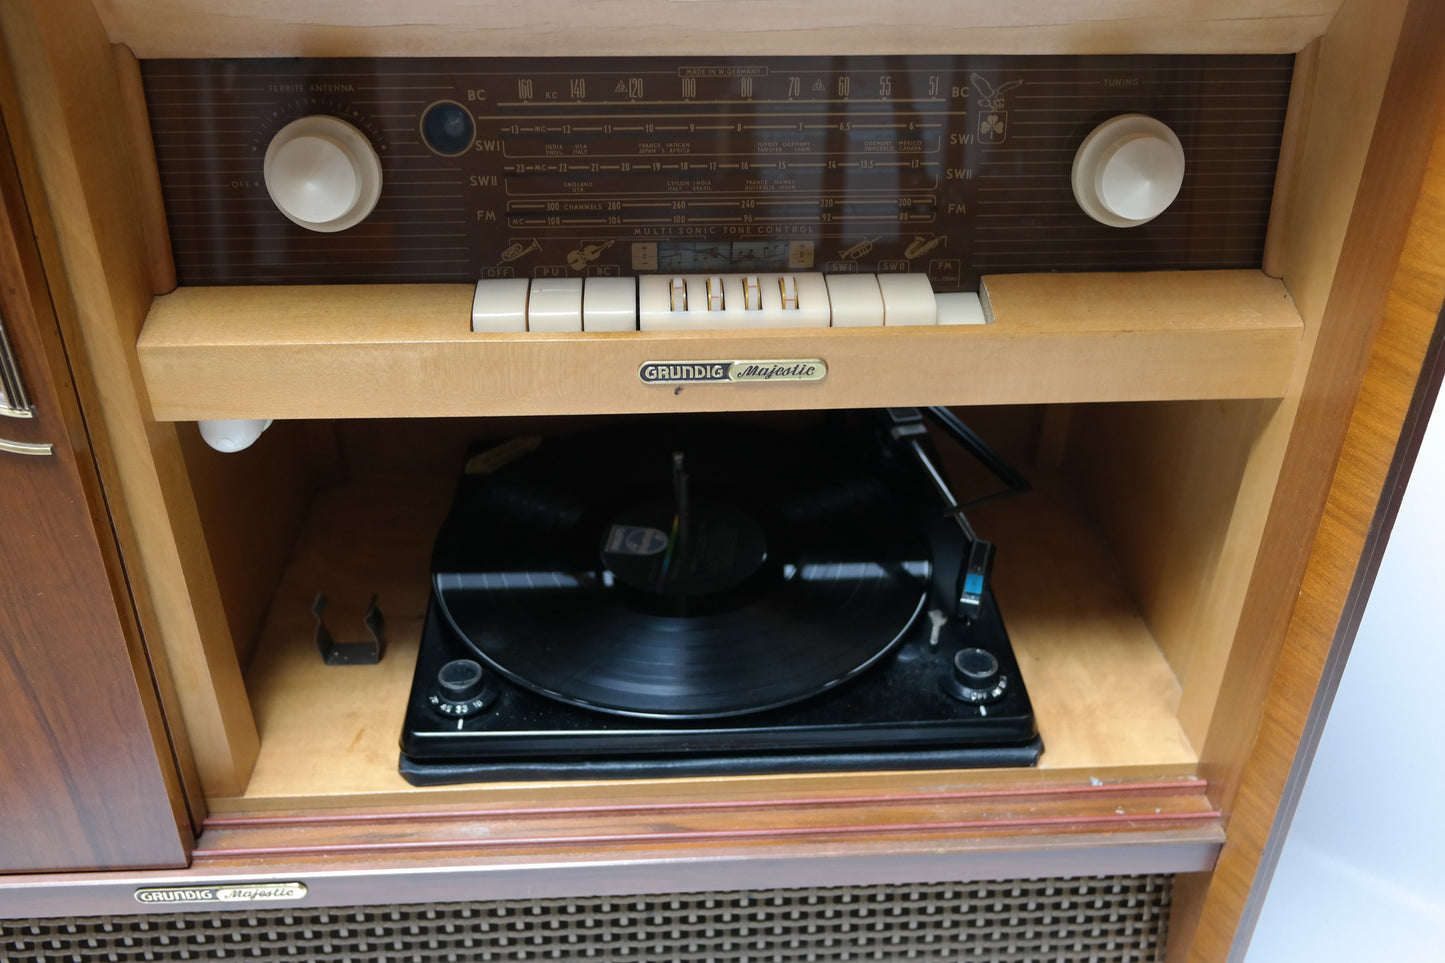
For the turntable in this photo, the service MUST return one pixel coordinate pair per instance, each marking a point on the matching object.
(698, 597)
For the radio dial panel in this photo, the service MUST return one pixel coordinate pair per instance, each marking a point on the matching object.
(944, 168)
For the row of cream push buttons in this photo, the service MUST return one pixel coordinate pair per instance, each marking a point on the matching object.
(699, 302)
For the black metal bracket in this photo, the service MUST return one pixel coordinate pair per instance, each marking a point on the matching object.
(349, 653)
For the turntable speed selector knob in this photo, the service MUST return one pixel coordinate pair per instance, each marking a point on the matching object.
(976, 677)
(1128, 170)
(462, 689)
(322, 173)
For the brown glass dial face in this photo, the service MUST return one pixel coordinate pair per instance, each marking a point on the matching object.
(950, 167)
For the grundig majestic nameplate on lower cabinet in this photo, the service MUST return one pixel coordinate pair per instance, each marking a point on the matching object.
(465, 169)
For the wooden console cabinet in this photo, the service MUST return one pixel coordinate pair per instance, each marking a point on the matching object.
(1206, 481)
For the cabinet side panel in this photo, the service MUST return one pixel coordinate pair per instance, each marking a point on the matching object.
(87, 779)
(1377, 327)
(252, 505)
(71, 104)
(1163, 483)
(1193, 587)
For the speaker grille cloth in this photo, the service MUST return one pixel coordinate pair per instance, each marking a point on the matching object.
(1103, 920)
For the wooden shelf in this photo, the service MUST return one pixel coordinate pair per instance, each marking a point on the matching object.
(1105, 697)
(407, 351)
(273, 28)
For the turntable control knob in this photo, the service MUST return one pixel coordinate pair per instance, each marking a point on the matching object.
(322, 173)
(1128, 170)
(462, 689)
(976, 677)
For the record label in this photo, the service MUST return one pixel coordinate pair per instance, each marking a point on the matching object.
(635, 540)
(710, 548)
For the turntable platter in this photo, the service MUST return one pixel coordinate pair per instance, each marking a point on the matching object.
(690, 572)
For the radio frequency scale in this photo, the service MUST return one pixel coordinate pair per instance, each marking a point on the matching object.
(947, 167)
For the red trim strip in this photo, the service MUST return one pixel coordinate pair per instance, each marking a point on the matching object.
(1169, 788)
(713, 835)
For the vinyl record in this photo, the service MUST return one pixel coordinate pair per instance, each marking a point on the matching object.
(681, 571)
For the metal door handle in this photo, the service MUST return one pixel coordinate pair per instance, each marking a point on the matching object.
(13, 401)
(26, 447)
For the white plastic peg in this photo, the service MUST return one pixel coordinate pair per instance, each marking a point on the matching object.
(235, 434)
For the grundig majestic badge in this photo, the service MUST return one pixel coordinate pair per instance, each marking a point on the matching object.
(243, 893)
(706, 372)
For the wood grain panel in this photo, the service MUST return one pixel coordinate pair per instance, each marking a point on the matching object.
(149, 203)
(1394, 285)
(86, 775)
(627, 870)
(1351, 86)
(1194, 589)
(1291, 156)
(276, 28)
(406, 350)
(73, 108)
(1162, 482)
(253, 504)
(954, 818)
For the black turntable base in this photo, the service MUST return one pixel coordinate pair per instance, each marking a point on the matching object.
(685, 598)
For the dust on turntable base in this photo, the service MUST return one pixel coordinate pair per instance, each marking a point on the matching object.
(689, 597)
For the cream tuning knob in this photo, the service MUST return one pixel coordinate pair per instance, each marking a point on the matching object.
(1128, 170)
(322, 173)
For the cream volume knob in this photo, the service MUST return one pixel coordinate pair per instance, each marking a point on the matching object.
(322, 173)
(1128, 170)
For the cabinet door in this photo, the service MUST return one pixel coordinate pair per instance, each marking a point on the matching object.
(87, 780)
